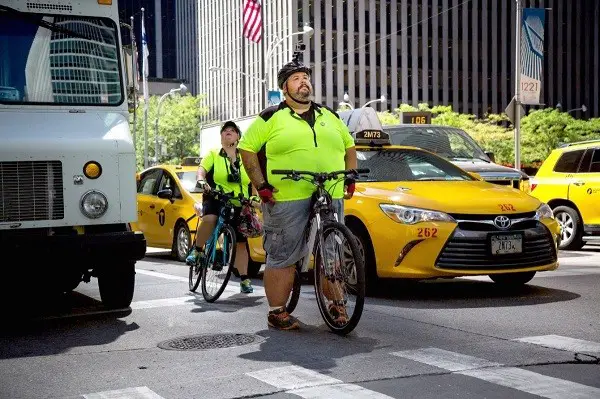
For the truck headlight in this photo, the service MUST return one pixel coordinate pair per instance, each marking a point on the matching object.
(407, 215)
(544, 212)
(93, 204)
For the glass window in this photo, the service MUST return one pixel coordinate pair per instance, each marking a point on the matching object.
(595, 166)
(59, 59)
(407, 165)
(148, 181)
(569, 162)
(187, 180)
(450, 143)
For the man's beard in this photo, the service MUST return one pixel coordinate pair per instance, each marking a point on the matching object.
(303, 94)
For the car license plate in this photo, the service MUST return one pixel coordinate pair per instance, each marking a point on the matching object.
(506, 244)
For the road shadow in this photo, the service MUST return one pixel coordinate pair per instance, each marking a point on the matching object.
(56, 323)
(313, 347)
(231, 304)
(463, 294)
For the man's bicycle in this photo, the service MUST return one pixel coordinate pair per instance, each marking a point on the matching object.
(339, 270)
(215, 263)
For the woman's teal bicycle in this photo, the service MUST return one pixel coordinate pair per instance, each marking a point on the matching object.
(215, 263)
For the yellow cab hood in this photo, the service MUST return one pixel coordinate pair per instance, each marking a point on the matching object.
(465, 197)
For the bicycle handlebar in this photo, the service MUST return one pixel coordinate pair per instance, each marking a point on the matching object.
(328, 175)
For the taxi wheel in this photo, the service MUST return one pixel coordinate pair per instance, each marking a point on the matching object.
(182, 242)
(512, 279)
(571, 227)
(365, 247)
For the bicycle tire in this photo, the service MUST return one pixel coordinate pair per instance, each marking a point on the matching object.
(227, 229)
(295, 294)
(194, 282)
(328, 228)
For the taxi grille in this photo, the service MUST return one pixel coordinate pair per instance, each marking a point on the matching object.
(31, 190)
(471, 251)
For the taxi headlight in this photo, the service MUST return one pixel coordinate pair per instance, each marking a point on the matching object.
(93, 204)
(544, 212)
(408, 215)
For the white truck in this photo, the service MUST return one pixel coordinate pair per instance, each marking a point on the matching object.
(67, 161)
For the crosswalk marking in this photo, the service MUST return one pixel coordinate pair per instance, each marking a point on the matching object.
(511, 377)
(563, 343)
(161, 275)
(310, 384)
(128, 393)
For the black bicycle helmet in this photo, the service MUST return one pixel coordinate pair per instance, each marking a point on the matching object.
(233, 125)
(289, 69)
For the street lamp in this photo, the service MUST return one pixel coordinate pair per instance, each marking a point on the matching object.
(381, 99)
(583, 108)
(307, 29)
(346, 101)
(182, 88)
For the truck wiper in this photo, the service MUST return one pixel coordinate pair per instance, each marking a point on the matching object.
(40, 22)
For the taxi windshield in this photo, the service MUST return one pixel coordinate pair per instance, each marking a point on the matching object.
(188, 180)
(389, 165)
(448, 142)
(60, 60)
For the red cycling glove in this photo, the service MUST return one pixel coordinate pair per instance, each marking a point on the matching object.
(265, 192)
(350, 185)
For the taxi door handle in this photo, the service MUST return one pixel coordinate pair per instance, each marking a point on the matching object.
(579, 183)
(152, 206)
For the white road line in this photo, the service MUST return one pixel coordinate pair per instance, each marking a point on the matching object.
(128, 393)
(563, 343)
(312, 385)
(511, 377)
(161, 275)
(159, 303)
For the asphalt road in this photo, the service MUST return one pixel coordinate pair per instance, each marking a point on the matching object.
(462, 338)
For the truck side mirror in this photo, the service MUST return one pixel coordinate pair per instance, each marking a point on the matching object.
(491, 156)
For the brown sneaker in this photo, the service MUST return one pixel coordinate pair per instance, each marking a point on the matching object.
(338, 313)
(282, 320)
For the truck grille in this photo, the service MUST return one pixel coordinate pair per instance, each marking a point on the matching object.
(471, 251)
(31, 190)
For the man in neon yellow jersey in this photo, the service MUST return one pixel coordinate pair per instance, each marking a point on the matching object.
(296, 134)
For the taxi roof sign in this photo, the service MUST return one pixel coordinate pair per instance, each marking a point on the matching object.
(364, 125)
(191, 161)
(415, 117)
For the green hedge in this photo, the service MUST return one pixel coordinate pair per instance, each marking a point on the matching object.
(542, 130)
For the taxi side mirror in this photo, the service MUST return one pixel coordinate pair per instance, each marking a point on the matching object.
(165, 194)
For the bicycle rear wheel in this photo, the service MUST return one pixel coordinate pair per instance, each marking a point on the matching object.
(339, 278)
(217, 271)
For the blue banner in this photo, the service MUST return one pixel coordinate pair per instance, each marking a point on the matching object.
(532, 54)
(274, 97)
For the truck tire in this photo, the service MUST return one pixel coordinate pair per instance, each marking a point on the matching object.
(117, 284)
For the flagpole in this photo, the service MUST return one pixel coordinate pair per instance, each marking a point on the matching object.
(145, 84)
(518, 87)
(134, 82)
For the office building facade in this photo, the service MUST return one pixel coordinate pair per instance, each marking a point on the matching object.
(441, 52)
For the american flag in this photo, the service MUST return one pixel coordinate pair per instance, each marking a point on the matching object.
(252, 20)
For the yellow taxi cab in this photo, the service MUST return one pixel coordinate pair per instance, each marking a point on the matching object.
(569, 181)
(419, 216)
(165, 203)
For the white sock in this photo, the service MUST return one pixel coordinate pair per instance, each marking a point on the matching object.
(272, 308)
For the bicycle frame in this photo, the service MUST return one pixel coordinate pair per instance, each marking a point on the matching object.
(323, 202)
(211, 243)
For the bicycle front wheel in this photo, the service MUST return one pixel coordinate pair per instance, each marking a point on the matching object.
(194, 276)
(217, 272)
(339, 278)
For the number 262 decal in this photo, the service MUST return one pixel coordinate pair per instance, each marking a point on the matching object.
(507, 207)
(427, 232)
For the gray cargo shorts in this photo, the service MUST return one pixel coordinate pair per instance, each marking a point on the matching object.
(284, 226)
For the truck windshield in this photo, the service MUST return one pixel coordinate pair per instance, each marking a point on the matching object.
(62, 60)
